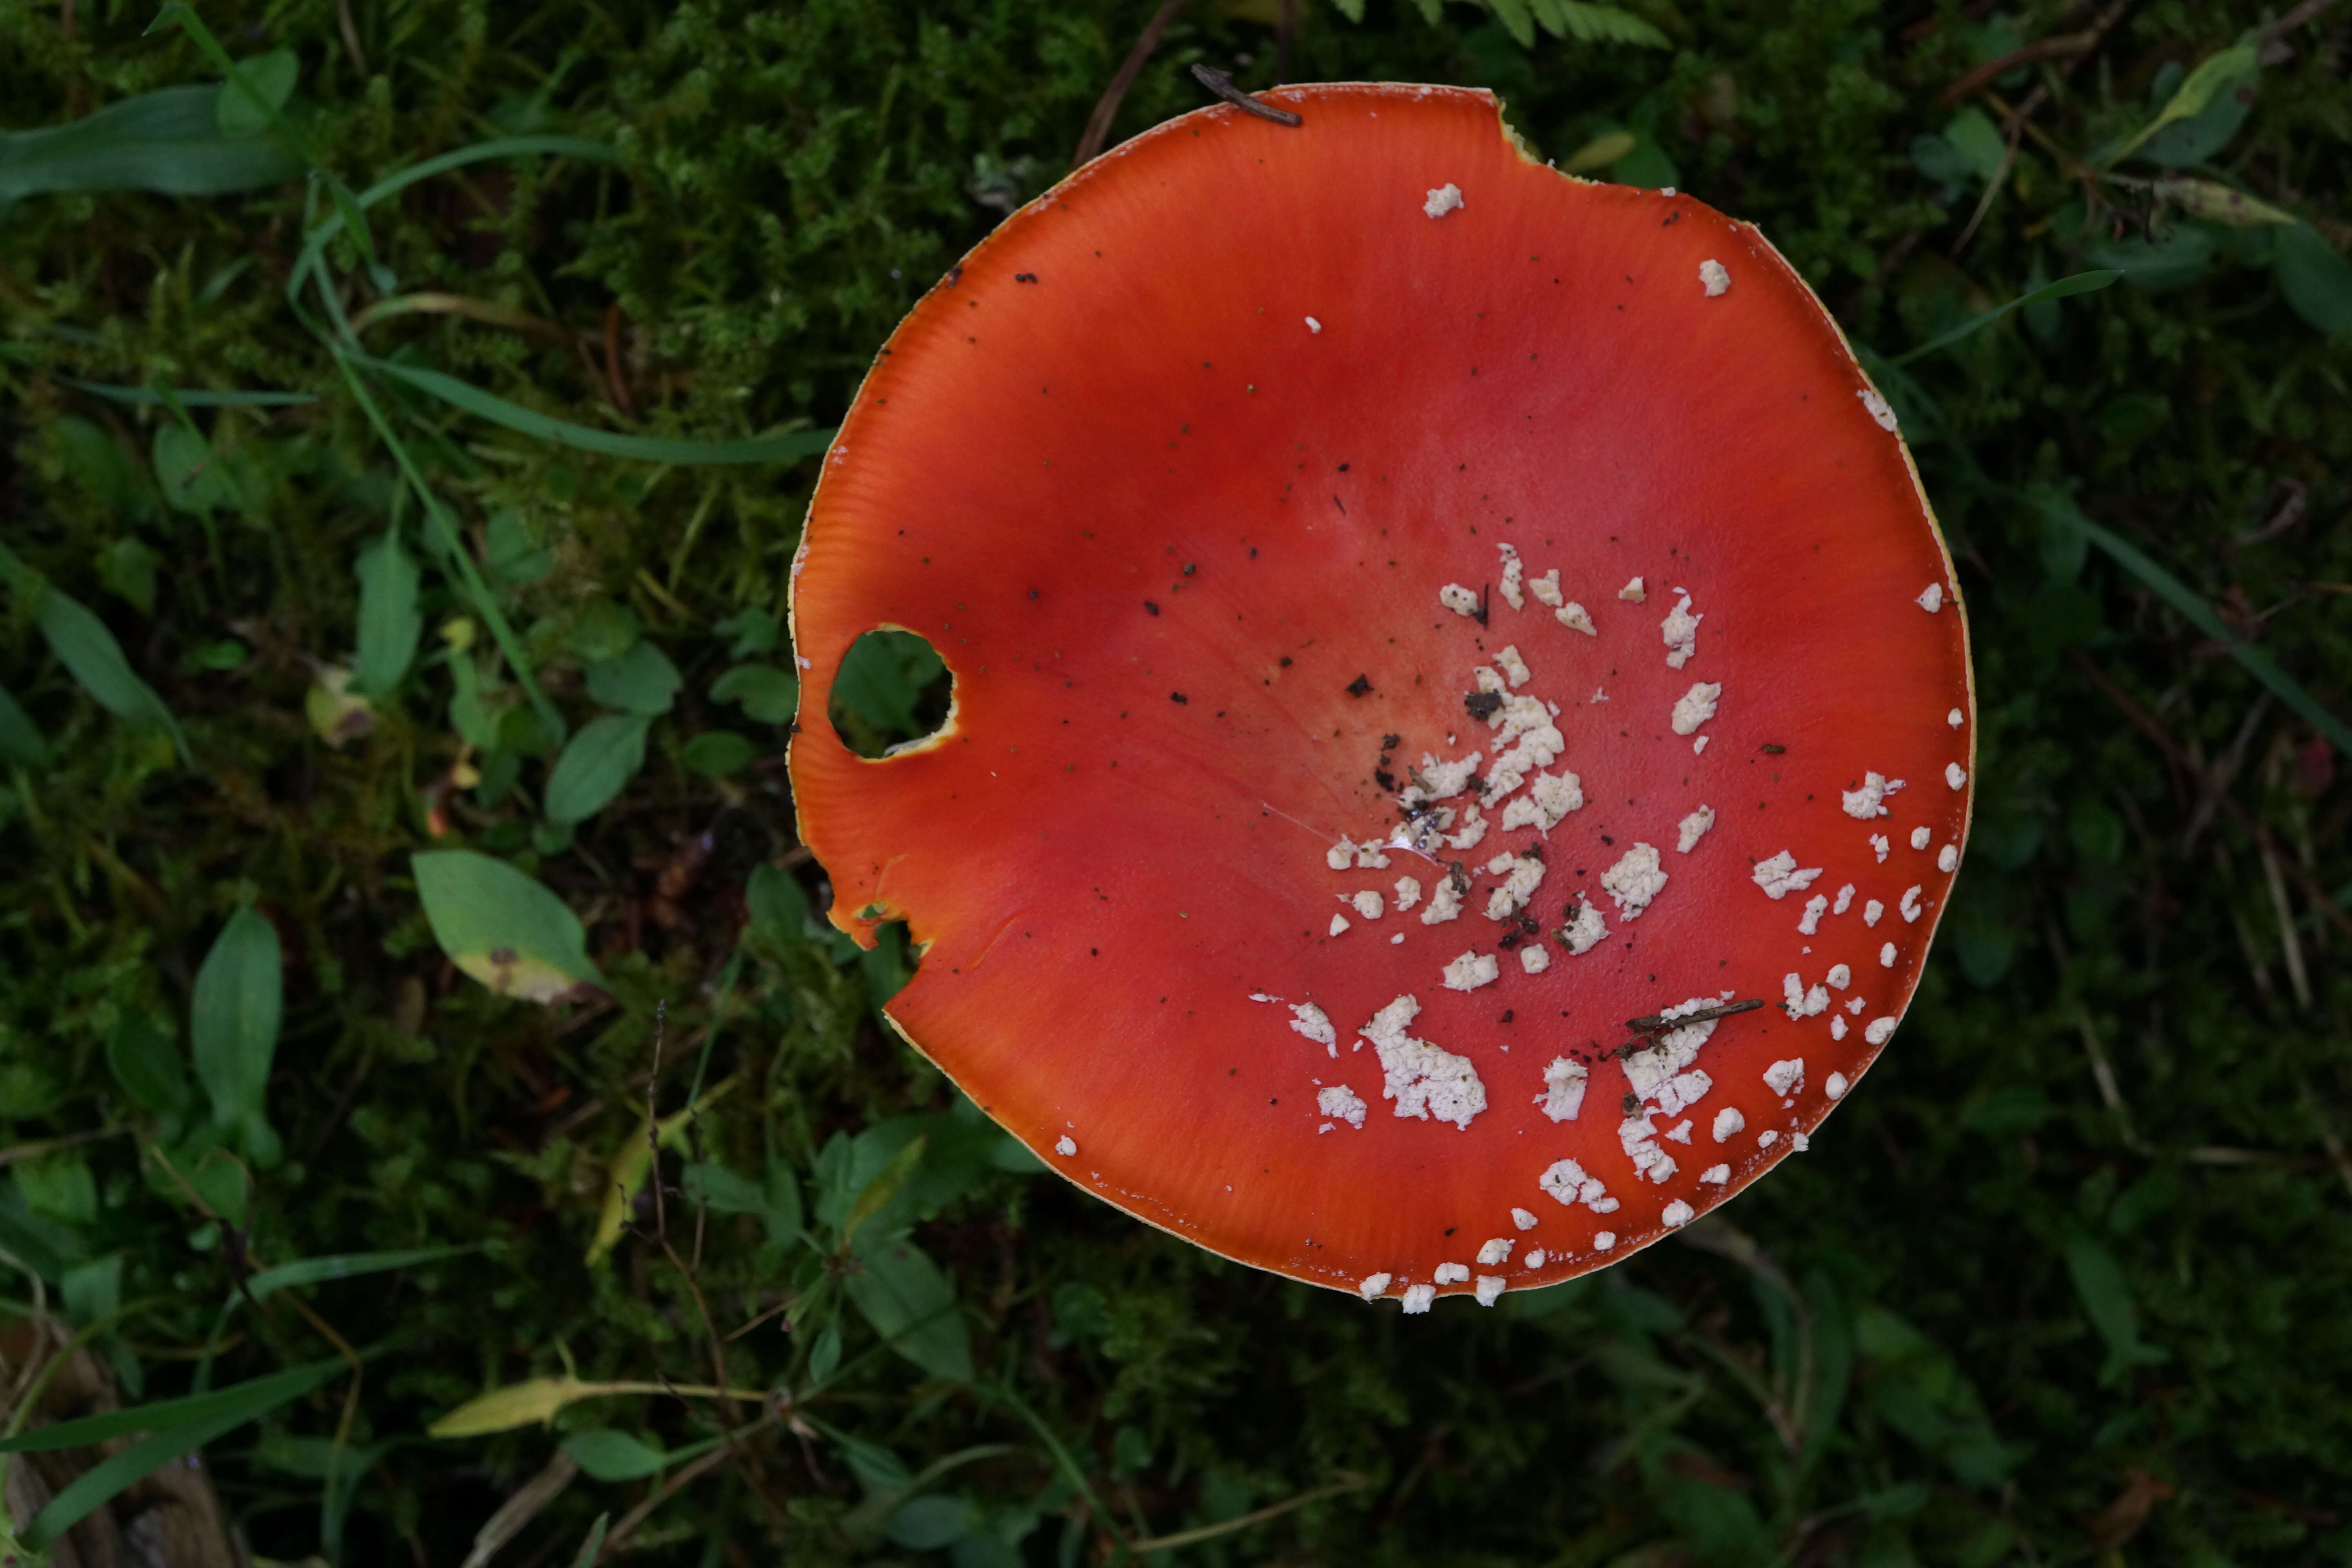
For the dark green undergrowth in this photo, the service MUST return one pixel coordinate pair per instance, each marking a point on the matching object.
(2064, 1283)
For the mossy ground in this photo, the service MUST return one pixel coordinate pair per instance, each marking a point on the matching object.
(2066, 1282)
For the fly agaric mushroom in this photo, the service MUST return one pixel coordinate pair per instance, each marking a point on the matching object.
(1410, 612)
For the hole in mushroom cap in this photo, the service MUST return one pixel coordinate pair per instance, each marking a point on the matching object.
(890, 690)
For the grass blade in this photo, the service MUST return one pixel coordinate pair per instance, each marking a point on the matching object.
(2076, 283)
(2200, 614)
(346, 1266)
(315, 243)
(785, 449)
(258, 1396)
(594, 1545)
(452, 545)
(244, 1402)
(188, 397)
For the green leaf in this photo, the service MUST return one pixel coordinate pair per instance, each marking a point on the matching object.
(715, 754)
(2078, 283)
(233, 1022)
(2316, 278)
(145, 1063)
(126, 567)
(779, 909)
(345, 1265)
(1517, 20)
(1977, 139)
(1918, 1390)
(515, 557)
(502, 927)
(255, 91)
(931, 1523)
(883, 676)
(2106, 1300)
(642, 680)
(912, 1306)
(192, 478)
(20, 739)
(2172, 260)
(391, 624)
(2217, 81)
(611, 1455)
(755, 631)
(789, 447)
(876, 1194)
(767, 695)
(168, 141)
(2059, 509)
(96, 661)
(597, 764)
(1590, 23)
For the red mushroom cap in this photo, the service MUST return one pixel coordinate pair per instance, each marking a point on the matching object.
(1229, 478)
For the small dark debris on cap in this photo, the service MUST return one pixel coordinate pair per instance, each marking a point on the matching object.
(1391, 742)
(1150, 608)
(1483, 704)
(1178, 697)
(1773, 751)
(1025, 278)
(1361, 686)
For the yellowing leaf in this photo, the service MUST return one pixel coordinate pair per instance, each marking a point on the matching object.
(516, 1404)
(502, 927)
(2216, 202)
(628, 1173)
(336, 711)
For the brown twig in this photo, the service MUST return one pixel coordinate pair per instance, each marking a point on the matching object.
(620, 1534)
(1981, 76)
(613, 374)
(2292, 20)
(1097, 129)
(1222, 84)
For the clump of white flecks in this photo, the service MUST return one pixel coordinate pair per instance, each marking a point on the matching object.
(1778, 875)
(1473, 970)
(1458, 599)
(1931, 597)
(1417, 1299)
(1342, 1104)
(1513, 579)
(1312, 1023)
(1680, 630)
(1870, 800)
(1878, 407)
(1632, 591)
(1427, 1083)
(1067, 1146)
(1692, 829)
(1444, 199)
(1563, 1094)
(1568, 1184)
(1586, 932)
(1521, 874)
(1714, 278)
(1634, 880)
(1696, 706)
